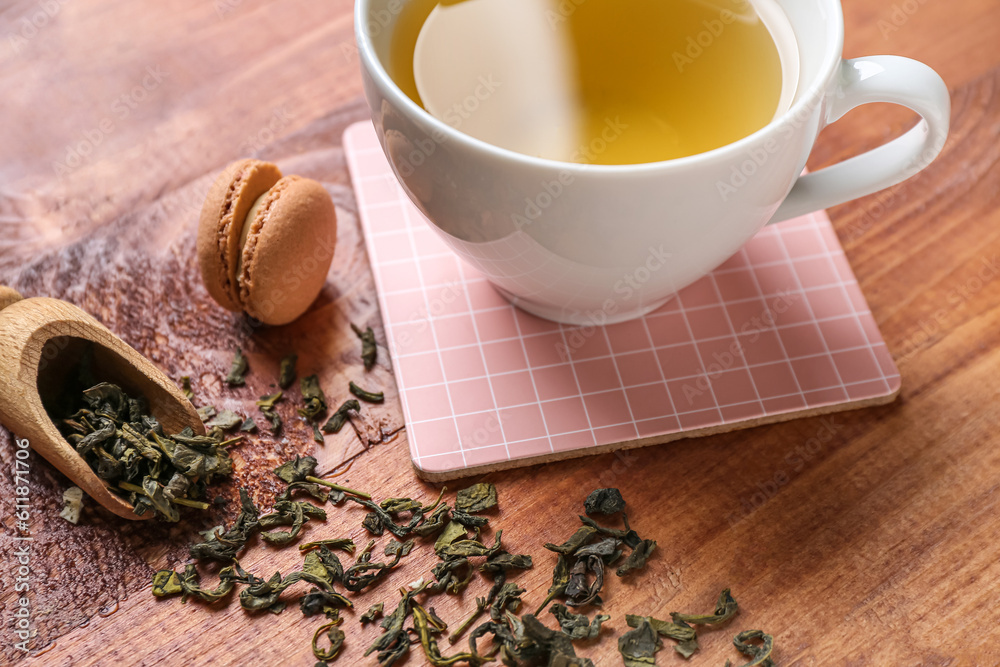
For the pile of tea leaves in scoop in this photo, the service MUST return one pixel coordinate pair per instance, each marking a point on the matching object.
(127, 448)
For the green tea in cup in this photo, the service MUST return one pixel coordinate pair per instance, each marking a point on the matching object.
(597, 81)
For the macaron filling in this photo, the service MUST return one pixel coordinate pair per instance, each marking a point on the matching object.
(227, 220)
(257, 217)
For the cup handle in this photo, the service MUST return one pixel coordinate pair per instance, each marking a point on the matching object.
(876, 79)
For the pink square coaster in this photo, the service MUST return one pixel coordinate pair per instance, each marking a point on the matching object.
(780, 329)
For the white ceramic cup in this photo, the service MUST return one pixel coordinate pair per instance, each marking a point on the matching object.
(597, 244)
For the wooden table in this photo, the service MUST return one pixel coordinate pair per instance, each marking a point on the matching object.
(880, 549)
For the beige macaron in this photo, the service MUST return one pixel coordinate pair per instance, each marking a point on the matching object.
(265, 242)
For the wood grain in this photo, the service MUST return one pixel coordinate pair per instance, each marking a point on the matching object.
(862, 538)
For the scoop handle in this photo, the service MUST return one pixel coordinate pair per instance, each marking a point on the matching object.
(8, 296)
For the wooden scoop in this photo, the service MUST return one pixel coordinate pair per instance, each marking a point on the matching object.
(41, 341)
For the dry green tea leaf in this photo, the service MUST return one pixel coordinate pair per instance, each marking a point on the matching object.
(435, 523)
(225, 547)
(369, 349)
(286, 371)
(297, 469)
(560, 579)
(344, 544)
(582, 536)
(340, 417)
(427, 626)
(312, 395)
(238, 370)
(680, 632)
(639, 646)
(604, 501)
(504, 562)
(226, 420)
(452, 532)
(550, 646)
(725, 609)
(364, 395)
(266, 406)
(248, 426)
(452, 575)
(374, 612)
(186, 388)
(759, 655)
(318, 601)
(638, 558)
(394, 643)
(476, 498)
(166, 582)
(292, 513)
(578, 626)
(471, 548)
(336, 637)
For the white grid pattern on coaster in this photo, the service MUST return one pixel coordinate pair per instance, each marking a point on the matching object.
(781, 328)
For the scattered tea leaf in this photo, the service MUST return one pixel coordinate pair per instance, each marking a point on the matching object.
(370, 396)
(578, 626)
(551, 646)
(286, 371)
(312, 395)
(238, 370)
(680, 632)
(639, 646)
(374, 612)
(336, 637)
(340, 417)
(248, 426)
(758, 654)
(226, 420)
(604, 501)
(297, 469)
(582, 536)
(725, 609)
(638, 558)
(186, 388)
(476, 498)
(560, 580)
(266, 406)
(344, 544)
(369, 349)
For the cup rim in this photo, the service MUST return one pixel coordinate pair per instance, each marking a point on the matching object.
(810, 98)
